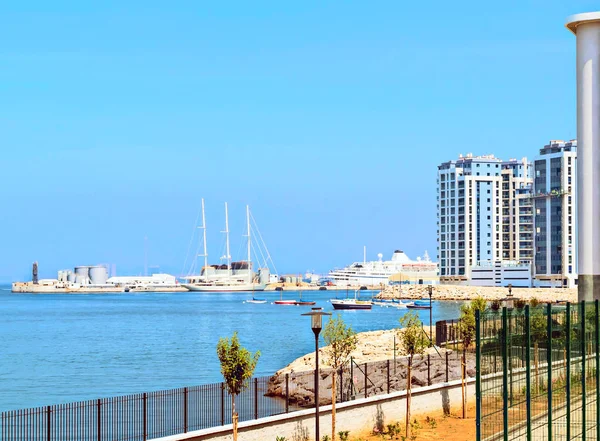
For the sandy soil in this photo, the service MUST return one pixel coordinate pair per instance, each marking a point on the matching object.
(447, 428)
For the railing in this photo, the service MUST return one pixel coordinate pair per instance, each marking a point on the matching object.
(538, 373)
(144, 416)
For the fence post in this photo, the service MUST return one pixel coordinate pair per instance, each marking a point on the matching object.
(477, 374)
(287, 393)
(447, 369)
(549, 363)
(528, 369)
(428, 370)
(597, 344)
(255, 398)
(145, 416)
(388, 376)
(185, 410)
(98, 425)
(222, 404)
(568, 386)
(351, 377)
(366, 393)
(48, 411)
(583, 377)
(505, 372)
(394, 353)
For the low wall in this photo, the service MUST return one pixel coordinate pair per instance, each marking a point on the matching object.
(354, 416)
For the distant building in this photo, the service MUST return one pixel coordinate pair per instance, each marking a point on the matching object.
(555, 215)
(484, 215)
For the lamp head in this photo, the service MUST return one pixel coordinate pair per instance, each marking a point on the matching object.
(316, 319)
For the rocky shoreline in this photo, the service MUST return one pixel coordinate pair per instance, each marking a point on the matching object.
(375, 355)
(456, 292)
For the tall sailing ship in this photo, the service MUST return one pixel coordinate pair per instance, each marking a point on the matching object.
(229, 276)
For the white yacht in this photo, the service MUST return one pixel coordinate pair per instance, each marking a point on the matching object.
(378, 272)
(229, 276)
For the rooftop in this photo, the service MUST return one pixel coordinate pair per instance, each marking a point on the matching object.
(587, 17)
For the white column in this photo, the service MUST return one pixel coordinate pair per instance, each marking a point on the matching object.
(587, 29)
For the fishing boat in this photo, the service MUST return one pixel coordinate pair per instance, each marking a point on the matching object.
(351, 303)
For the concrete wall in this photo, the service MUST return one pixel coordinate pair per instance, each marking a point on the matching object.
(354, 416)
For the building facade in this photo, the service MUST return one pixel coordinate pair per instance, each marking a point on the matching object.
(554, 196)
(484, 214)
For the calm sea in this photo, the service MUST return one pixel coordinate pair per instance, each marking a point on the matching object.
(62, 348)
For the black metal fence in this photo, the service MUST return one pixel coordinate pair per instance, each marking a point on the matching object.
(538, 373)
(144, 416)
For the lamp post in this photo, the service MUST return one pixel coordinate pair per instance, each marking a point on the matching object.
(430, 290)
(316, 322)
(509, 300)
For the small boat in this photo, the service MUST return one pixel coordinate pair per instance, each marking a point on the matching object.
(419, 304)
(351, 303)
(283, 302)
(253, 300)
(304, 302)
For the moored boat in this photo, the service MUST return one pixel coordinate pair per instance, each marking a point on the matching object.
(419, 304)
(350, 304)
(232, 276)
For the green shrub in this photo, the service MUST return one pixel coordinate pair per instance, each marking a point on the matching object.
(431, 422)
(344, 434)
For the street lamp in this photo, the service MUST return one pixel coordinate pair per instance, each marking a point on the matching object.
(430, 290)
(509, 300)
(316, 323)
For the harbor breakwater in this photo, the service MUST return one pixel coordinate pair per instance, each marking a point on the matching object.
(457, 292)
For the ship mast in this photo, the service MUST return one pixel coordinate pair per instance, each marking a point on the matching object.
(228, 256)
(204, 242)
(249, 242)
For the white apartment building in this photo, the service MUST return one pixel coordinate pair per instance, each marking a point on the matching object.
(555, 215)
(484, 215)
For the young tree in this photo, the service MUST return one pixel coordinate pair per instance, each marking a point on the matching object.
(341, 340)
(414, 341)
(237, 367)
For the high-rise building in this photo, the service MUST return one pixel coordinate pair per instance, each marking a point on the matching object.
(484, 214)
(555, 215)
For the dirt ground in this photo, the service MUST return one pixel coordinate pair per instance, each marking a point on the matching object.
(449, 428)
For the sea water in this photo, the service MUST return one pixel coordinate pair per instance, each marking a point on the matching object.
(58, 348)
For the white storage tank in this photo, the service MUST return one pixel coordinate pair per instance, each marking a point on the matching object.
(82, 275)
(70, 277)
(98, 275)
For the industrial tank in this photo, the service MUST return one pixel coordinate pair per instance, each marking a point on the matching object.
(82, 275)
(264, 276)
(70, 277)
(98, 275)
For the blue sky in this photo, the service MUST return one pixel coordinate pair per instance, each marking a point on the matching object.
(328, 118)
